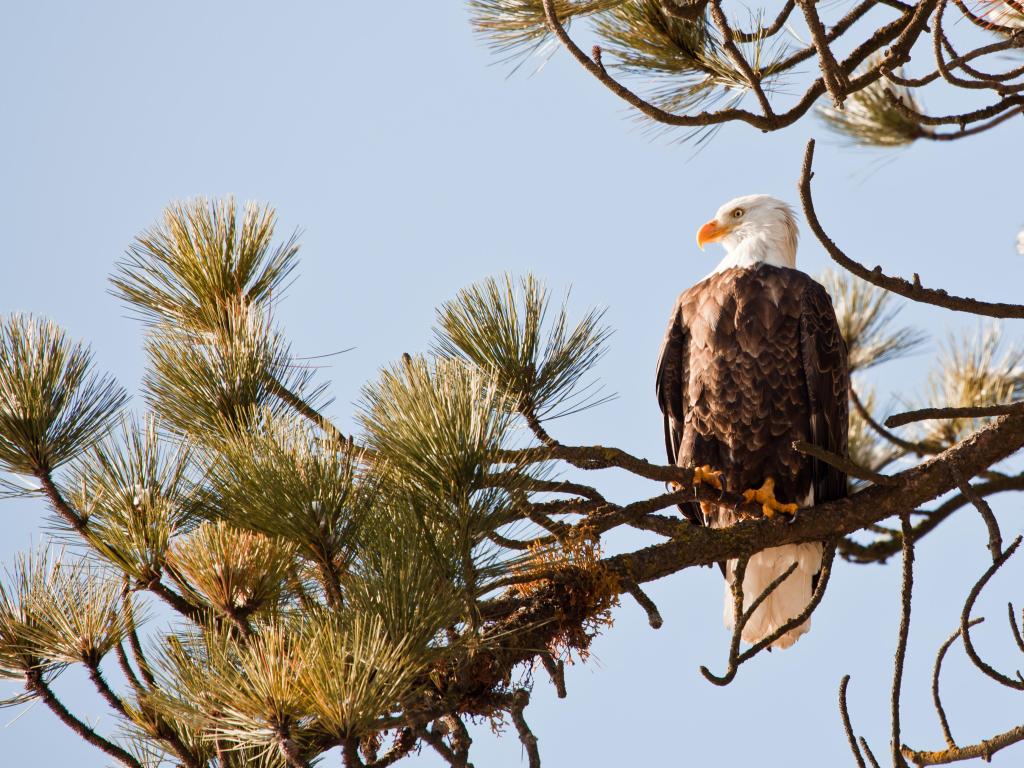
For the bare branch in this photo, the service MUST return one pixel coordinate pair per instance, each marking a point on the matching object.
(965, 621)
(984, 750)
(881, 550)
(36, 684)
(995, 538)
(875, 276)
(736, 659)
(906, 590)
(850, 467)
(971, 412)
(556, 670)
(306, 410)
(1017, 637)
(869, 753)
(753, 80)
(844, 712)
(645, 602)
(520, 699)
(133, 640)
(404, 743)
(738, 575)
(936, 673)
(833, 75)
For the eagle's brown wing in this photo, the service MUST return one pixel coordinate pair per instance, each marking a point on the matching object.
(670, 386)
(823, 353)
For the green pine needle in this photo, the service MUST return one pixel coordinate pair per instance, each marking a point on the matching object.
(136, 493)
(199, 383)
(203, 260)
(56, 611)
(284, 480)
(52, 404)
(507, 329)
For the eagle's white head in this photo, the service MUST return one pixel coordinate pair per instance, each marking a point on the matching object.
(754, 229)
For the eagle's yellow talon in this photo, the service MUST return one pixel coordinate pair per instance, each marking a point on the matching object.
(765, 496)
(707, 475)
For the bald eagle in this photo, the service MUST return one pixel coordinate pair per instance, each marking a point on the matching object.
(752, 361)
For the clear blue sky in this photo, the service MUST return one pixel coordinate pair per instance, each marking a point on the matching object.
(391, 137)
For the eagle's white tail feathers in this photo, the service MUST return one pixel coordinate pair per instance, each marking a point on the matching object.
(786, 602)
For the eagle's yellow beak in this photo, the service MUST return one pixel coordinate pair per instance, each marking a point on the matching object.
(711, 232)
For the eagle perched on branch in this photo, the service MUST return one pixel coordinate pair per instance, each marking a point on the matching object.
(753, 360)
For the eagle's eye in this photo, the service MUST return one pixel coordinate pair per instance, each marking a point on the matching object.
(738, 213)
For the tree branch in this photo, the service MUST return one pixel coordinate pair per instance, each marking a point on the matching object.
(965, 621)
(936, 673)
(850, 467)
(984, 750)
(34, 682)
(995, 537)
(844, 712)
(970, 412)
(834, 77)
(520, 699)
(906, 590)
(897, 285)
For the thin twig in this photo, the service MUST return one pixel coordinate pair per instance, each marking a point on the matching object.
(520, 699)
(833, 75)
(819, 592)
(1017, 637)
(919, 449)
(133, 640)
(877, 277)
(936, 673)
(867, 751)
(995, 537)
(655, 113)
(752, 78)
(305, 409)
(769, 31)
(881, 550)
(972, 412)
(742, 617)
(844, 712)
(982, 113)
(965, 621)
(850, 467)
(556, 671)
(100, 683)
(906, 593)
(645, 602)
(738, 574)
(127, 671)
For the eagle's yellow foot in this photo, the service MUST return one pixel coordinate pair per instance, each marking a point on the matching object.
(708, 476)
(765, 496)
(705, 475)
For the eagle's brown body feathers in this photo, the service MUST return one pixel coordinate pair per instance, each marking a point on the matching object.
(752, 361)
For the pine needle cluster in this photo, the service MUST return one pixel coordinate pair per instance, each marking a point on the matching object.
(325, 587)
